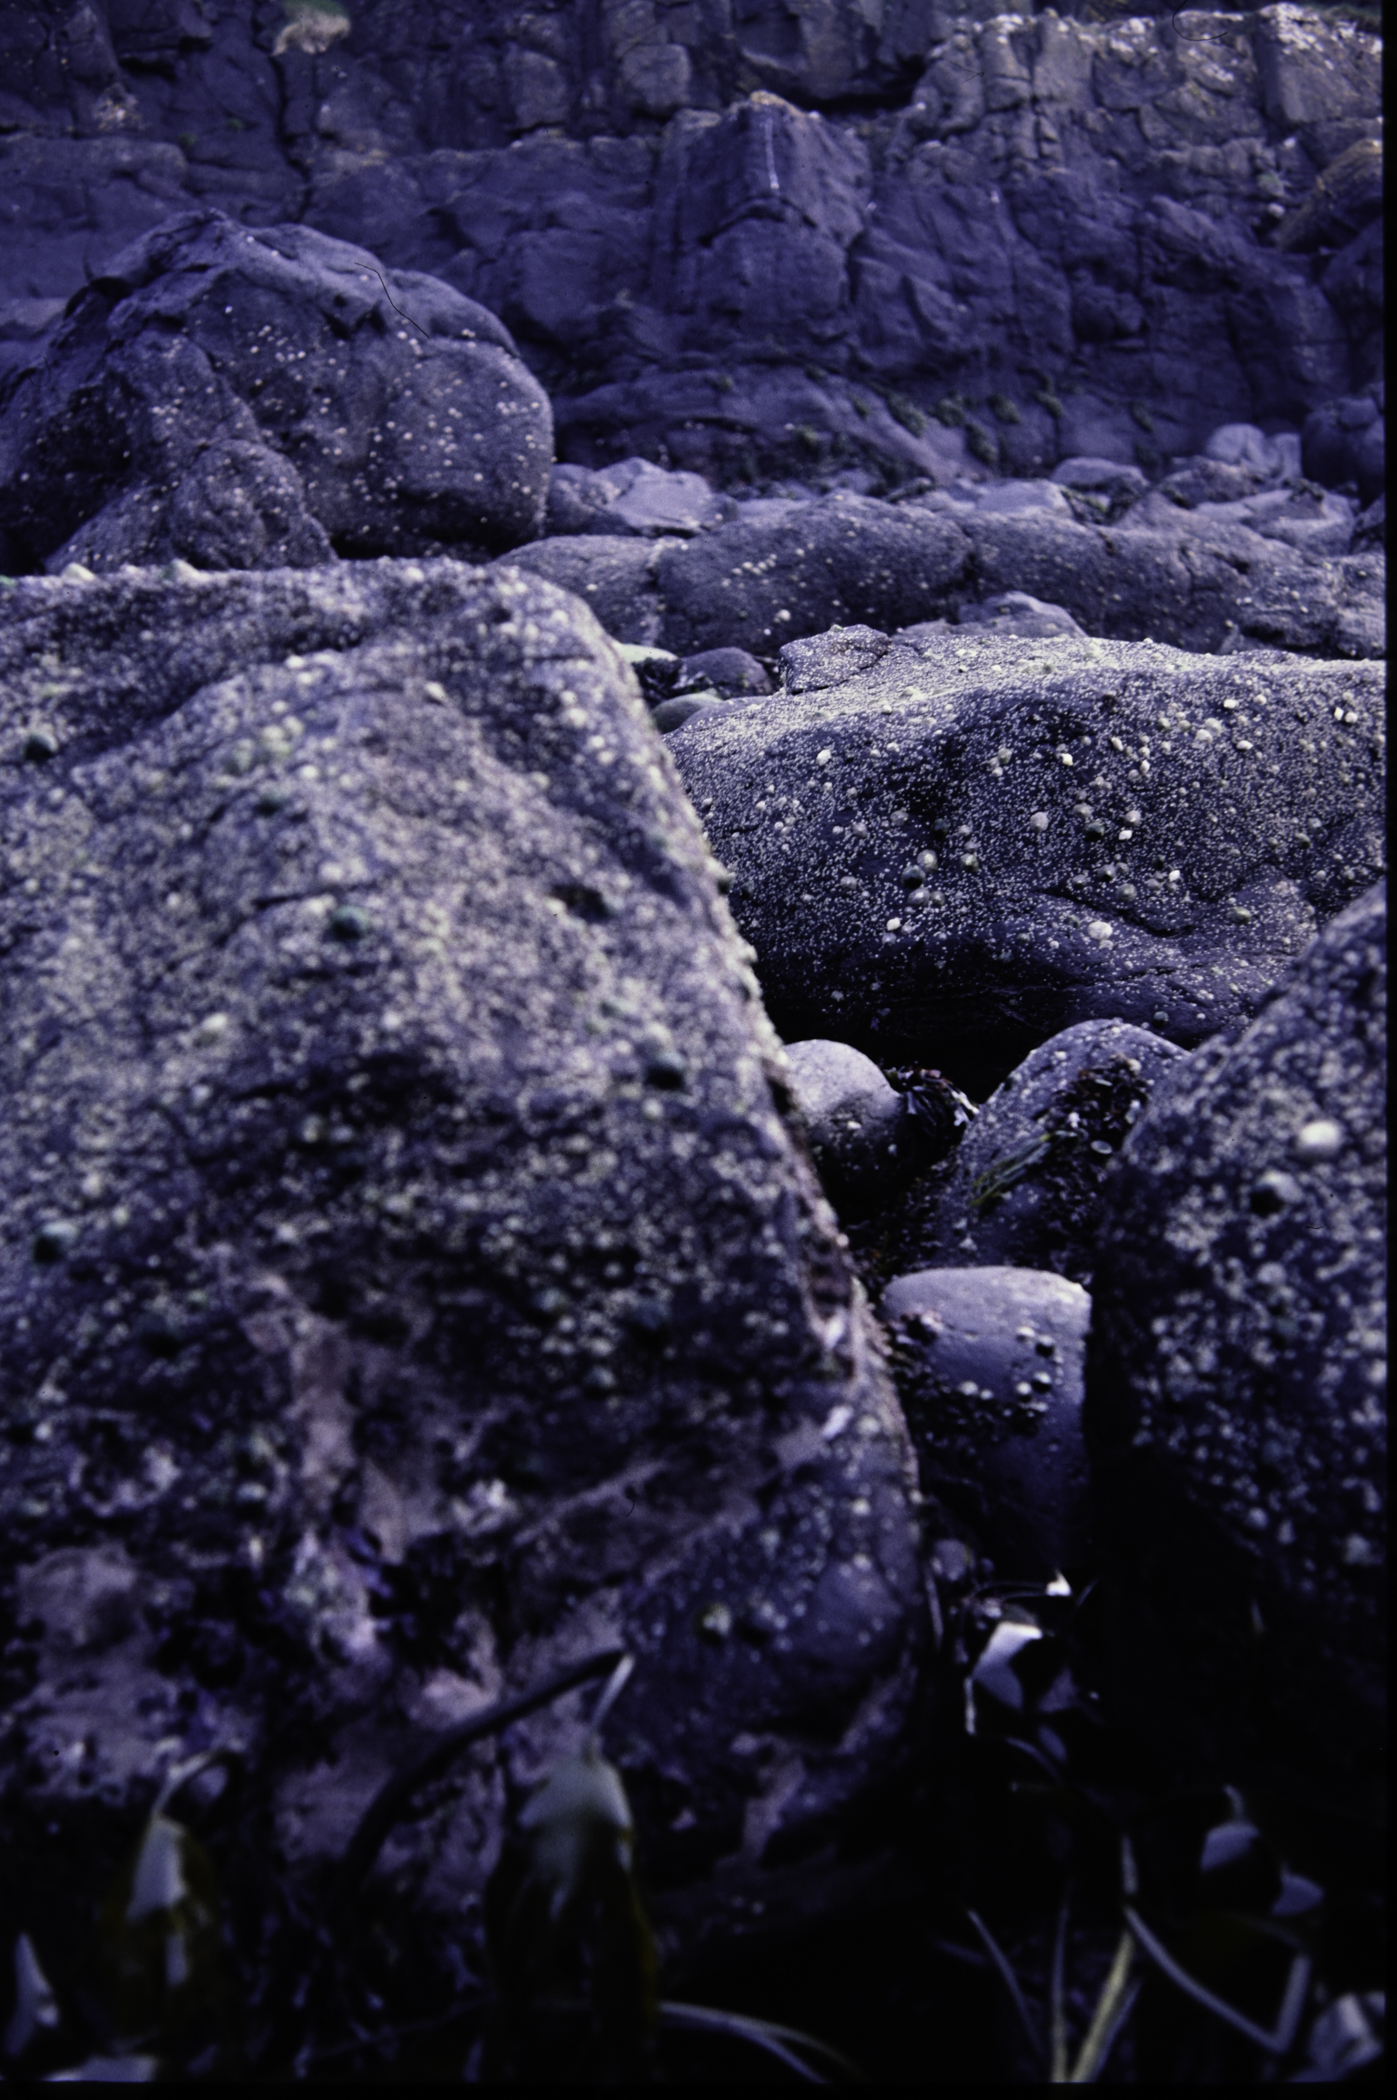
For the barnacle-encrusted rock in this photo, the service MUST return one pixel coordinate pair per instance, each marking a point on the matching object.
(950, 850)
(1237, 1385)
(251, 399)
(409, 1279)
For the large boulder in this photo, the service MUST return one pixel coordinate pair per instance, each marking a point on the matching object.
(1237, 1383)
(410, 1276)
(948, 852)
(247, 399)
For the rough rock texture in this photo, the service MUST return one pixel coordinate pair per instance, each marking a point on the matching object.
(1264, 567)
(246, 400)
(615, 576)
(841, 560)
(632, 497)
(1237, 1383)
(1027, 1184)
(855, 1120)
(990, 1370)
(956, 849)
(1061, 236)
(409, 1278)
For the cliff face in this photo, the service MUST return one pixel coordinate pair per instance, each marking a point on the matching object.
(1117, 232)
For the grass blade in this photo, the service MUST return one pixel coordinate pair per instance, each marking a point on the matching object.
(777, 2041)
(1010, 1982)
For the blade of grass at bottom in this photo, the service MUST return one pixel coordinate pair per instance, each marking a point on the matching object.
(777, 2041)
(1112, 2006)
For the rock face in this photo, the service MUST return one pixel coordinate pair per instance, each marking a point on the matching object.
(990, 1369)
(244, 400)
(1237, 1382)
(409, 1278)
(1028, 1180)
(760, 236)
(961, 847)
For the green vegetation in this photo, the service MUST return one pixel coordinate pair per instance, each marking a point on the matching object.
(906, 413)
(1006, 410)
(950, 410)
(1140, 412)
(1046, 397)
(981, 444)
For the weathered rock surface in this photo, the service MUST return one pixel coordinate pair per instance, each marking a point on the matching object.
(246, 400)
(990, 1370)
(615, 575)
(952, 851)
(1029, 1174)
(747, 238)
(408, 1277)
(1237, 1374)
(1201, 563)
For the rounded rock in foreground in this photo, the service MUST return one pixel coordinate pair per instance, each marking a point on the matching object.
(990, 1370)
(1237, 1386)
(854, 1118)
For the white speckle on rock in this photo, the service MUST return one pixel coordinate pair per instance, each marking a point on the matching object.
(1319, 1140)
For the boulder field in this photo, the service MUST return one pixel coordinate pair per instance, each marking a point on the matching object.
(692, 954)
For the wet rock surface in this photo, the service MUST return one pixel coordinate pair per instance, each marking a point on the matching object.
(962, 847)
(1237, 1379)
(410, 1280)
(990, 1371)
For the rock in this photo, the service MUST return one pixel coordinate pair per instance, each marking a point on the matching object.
(657, 671)
(1243, 445)
(673, 714)
(1014, 612)
(732, 671)
(1370, 530)
(940, 215)
(855, 1120)
(1347, 197)
(1343, 442)
(914, 853)
(241, 399)
(1116, 486)
(411, 1276)
(1165, 574)
(1237, 1385)
(633, 497)
(990, 1370)
(1202, 480)
(846, 558)
(1317, 521)
(618, 579)
(1027, 1181)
